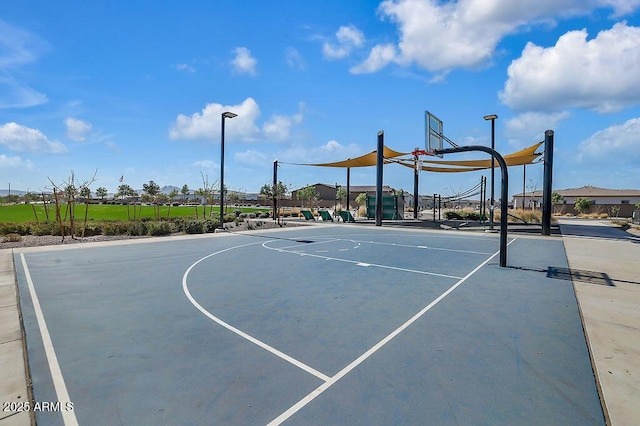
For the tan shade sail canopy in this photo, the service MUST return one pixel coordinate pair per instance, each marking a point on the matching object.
(518, 158)
(366, 160)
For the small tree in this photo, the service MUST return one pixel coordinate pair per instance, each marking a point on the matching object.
(583, 204)
(361, 199)
(172, 195)
(101, 192)
(341, 194)
(308, 193)
(125, 190)
(556, 199)
(269, 192)
(185, 192)
(152, 189)
(70, 189)
(85, 192)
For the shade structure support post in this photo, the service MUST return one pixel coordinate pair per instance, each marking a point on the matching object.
(379, 168)
(547, 184)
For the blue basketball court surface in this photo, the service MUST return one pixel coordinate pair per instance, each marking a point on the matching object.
(337, 324)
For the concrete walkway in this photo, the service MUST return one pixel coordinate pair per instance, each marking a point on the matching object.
(13, 385)
(610, 313)
(611, 318)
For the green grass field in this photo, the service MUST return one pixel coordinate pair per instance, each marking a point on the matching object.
(21, 213)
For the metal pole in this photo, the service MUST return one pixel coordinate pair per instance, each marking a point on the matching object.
(493, 147)
(481, 196)
(222, 174)
(434, 208)
(439, 207)
(524, 181)
(415, 188)
(379, 166)
(335, 200)
(348, 186)
(548, 177)
(504, 192)
(275, 189)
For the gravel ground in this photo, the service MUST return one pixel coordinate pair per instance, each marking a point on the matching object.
(49, 240)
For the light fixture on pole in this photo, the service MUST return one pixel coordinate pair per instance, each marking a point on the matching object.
(226, 114)
(492, 117)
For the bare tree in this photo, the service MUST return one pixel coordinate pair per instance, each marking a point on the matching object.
(69, 189)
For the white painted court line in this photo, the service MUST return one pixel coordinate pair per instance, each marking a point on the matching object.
(68, 416)
(237, 331)
(356, 262)
(310, 244)
(323, 387)
(423, 247)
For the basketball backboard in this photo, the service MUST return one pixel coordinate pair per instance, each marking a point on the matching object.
(433, 132)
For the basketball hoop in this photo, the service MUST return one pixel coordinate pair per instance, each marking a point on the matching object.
(418, 152)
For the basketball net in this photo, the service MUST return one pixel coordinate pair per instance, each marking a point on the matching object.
(418, 153)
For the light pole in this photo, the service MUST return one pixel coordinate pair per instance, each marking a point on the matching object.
(226, 114)
(492, 117)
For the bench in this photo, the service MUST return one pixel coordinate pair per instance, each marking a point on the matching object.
(326, 216)
(307, 215)
(346, 216)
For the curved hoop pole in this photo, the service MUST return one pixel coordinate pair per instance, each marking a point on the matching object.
(505, 190)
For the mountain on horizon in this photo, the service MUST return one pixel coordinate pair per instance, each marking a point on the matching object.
(164, 190)
(5, 192)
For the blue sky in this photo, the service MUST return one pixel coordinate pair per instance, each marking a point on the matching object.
(136, 89)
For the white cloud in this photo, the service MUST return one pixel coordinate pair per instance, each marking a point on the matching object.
(186, 68)
(328, 152)
(620, 142)
(251, 158)
(379, 57)
(348, 37)
(294, 59)
(77, 130)
(207, 124)
(206, 164)
(24, 139)
(244, 63)
(439, 36)
(18, 48)
(529, 127)
(602, 74)
(243, 128)
(278, 127)
(18, 163)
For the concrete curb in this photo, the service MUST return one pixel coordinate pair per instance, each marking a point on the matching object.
(14, 388)
(610, 315)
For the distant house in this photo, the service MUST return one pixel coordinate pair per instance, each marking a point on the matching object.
(327, 194)
(603, 200)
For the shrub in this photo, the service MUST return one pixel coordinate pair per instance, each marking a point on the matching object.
(473, 216)
(11, 238)
(452, 215)
(90, 230)
(237, 213)
(43, 228)
(159, 228)
(529, 216)
(194, 227)
(15, 228)
(137, 229)
(114, 228)
(210, 225)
